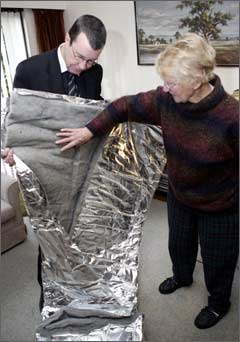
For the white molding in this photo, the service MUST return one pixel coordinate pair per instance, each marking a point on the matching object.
(34, 4)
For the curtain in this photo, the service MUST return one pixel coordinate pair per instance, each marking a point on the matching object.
(13, 51)
(13, 47)
(49, 28)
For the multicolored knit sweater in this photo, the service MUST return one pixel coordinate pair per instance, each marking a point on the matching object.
(201, 142)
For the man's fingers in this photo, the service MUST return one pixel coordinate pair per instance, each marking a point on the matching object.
(9, 160)
(5, 152)
(7, 156)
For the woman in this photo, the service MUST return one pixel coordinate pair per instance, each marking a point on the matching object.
(199, 121)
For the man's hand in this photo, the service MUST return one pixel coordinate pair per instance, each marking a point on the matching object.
(73, 137)
(7, 156)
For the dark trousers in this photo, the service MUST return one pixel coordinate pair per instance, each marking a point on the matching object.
(218, 235)
(39, 269)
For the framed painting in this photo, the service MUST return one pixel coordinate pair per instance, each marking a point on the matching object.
(159, 23)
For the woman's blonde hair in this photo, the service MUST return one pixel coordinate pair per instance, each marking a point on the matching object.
(188, 59)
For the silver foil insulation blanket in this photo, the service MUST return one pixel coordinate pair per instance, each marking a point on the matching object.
(87, 207)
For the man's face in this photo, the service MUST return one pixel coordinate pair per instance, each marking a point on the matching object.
(79, 55)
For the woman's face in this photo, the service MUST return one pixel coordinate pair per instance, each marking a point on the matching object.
(181, 92)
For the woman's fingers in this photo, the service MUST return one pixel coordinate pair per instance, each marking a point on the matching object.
(68, 146)
(73, 137)
(63, 141)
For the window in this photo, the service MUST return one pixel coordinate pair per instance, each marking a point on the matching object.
(13, 47)
(13, 51)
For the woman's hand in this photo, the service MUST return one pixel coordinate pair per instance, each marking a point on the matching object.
(7, 156)
(73, 137)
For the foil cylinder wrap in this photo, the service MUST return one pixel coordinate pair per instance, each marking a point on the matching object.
(87, 207)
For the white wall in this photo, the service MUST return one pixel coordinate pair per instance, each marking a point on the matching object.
(122, 74)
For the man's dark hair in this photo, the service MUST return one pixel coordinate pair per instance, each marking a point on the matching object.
(92, 27)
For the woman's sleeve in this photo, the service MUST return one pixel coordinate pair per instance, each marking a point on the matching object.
(142, 108)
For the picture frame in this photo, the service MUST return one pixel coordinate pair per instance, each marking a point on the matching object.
(158, 23)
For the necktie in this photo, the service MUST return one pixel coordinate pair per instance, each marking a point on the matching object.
(72, 86)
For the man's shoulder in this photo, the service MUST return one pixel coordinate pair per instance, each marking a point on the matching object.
(38, 60)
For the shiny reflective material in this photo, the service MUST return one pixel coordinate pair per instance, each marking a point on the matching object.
(79, 326)
(87, 207)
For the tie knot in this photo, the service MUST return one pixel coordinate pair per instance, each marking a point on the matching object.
(68, 75)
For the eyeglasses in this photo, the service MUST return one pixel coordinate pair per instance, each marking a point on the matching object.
(169, 85)
(81, 58)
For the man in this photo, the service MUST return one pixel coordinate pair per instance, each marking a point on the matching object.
(71, 69)
(52, 70)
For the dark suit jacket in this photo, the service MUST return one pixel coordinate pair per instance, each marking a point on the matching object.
(42, 72)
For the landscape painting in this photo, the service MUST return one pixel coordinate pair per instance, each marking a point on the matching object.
(159, 23)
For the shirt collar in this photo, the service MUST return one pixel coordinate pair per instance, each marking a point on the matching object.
(62, 63)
